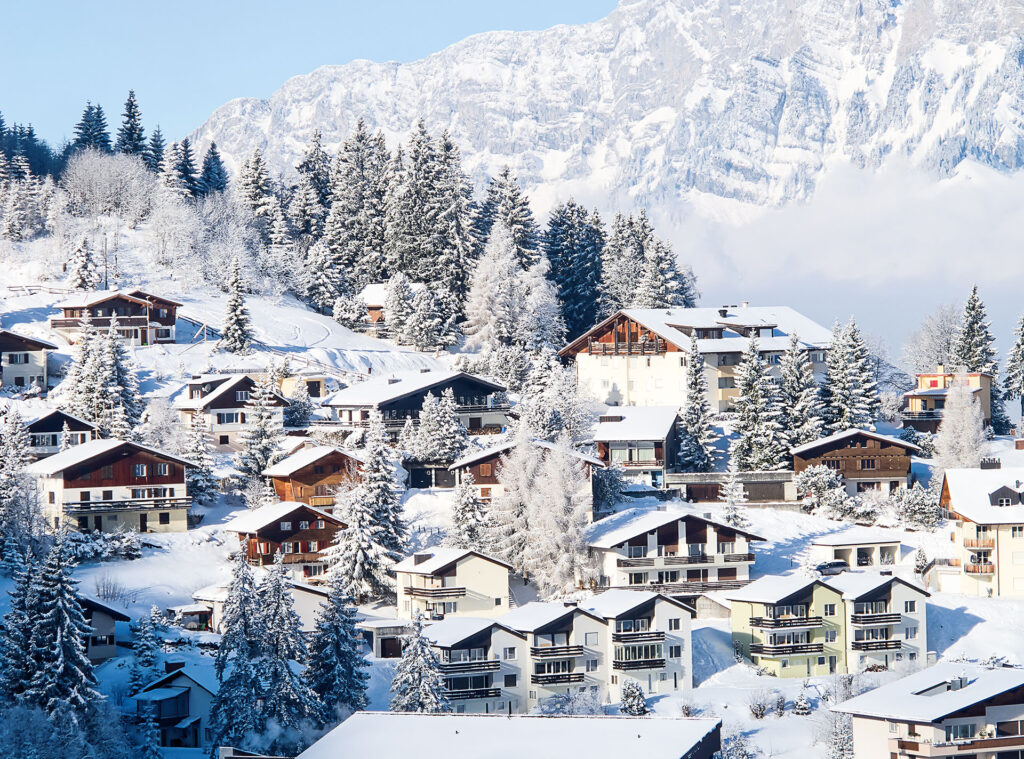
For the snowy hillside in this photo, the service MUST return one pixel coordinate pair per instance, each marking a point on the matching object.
(753, 101)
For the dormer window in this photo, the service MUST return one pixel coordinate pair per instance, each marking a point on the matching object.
(1004, 501)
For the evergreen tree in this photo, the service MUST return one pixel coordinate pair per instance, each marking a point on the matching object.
(315, 167)
(300, 407)
(799, 417)
(186, 167)
(91, 131)
(305, 211)
(358, 560)
(920, 560)
(17, 663)
(494, 303)
(469, 516)
(840, 737)
(131, 139)
(379, 490)
(262, 435)
(633, 702)
(17, 507)
(213, 177)
(759, 441)
(201, 485)
(802, 705)
(848, 395)
(65, 437)
(456, 239)
(733, 496)
(573, 243)
(398, 306)
(441, 436)
(696, 431)
(540, 326)
(423, 330)
(974, 349)
(549, 404)
(253, 188)
(412, 208)
(336, 670)
(662, 284)
(322, 281)
(234, 718)
(916, 508)
(418, 685)
(236, 337)
(240, 636)
(154, 154)
(121, 389)
(1013, 379)
(149, 736)
(507, 531)
(506, 202)
(83, 271)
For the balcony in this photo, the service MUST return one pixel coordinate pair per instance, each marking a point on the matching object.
(788, 623)
(481, 665)
(649, 636)
(694, 588)
(786, 649)
(629, 666)
(100, 322)
(465, 695)
(558, 678)
(451, 592)
(875, 645)
(555, 652)
(665, 561)
(651, 464)
(906, 748)
(866, 620)
(643, 348)
(87, 507)
(979, 543)
(934, 414)
(980, 569)
(734, 557)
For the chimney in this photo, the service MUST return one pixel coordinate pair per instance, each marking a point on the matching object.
(393, 380)
(940, 369)
(723, 312)
(173, 665)
(424, 371)
(745, 303)
(419, 558)
(611, 418)
(990, 462)
(570, 604)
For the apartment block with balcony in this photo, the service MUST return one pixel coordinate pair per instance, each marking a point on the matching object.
(926, 402)
(220, 402)
(451, 582)
(680, 553)
(988, 508)
(643, 440)
(953, 709)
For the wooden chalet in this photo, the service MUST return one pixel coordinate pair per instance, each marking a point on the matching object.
(313, 474)
(865, 460)
(46, 432)
(142, 318)
(373, 297)
(23, 360)
(220, 401)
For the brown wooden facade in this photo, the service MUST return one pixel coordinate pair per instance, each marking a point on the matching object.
(118, 469)
(303, 537)
(153, 318)
(316, 484)
(619, 335)
(858, 456)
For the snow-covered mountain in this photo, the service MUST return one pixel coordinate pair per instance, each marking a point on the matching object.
(750, 100)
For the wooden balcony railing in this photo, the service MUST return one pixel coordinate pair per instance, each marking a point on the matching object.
(557, 678)
(980, 569)
(788, 649)
(649, 636)
(875, 645)
(435, 592)
(778, 623)
(876, 619)
(463, 695)
(132, 504)
(979, 543)
(483, 665)
(627, 666)
(643, 348)
(555, 652)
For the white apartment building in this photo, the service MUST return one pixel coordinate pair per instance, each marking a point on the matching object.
(220, 401)
(447, 582)
(953, 709)
(23, 360)
(639, 357)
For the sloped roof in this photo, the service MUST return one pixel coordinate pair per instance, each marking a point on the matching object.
(628, 523)
(969, 491)
(836, 437)
(539, 613)
(390, 387)
(487, 453)
(615, 602)
(52, 412)
(203, 676)
(303, 458)
(638, 423)
(155, 298)
(91, 601)
(451, 631)
(7, 335)
(855, 585)
(230, 384)
(256, 519)
(855, 536)
(439, 559)
(91, 298)
(79, 454)
(772, 588)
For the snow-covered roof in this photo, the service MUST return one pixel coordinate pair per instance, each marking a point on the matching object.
(492, 736)
(303, 458)
(377, 623)
(969, 491)
(935, 392)
(189, 609)
(439, 558)
(79, 454)
(487, 453)
(375, 293)
(160, 694)
(628, 523)
(854, 585)
(934, 693)
(615, 602)
(91, 298)
(88, 600)
(52, 412)
(637, 423)
(451, 631)
(390, 387)
(226, 386)
(256, 519)
(539, 613)
(772, 589)
(856, 536)
(836, 437)
(19, 338)
(203, 675)
(212, 593)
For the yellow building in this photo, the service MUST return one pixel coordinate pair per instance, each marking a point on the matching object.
(926, 402)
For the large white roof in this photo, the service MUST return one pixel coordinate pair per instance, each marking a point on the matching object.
(375, 293)
(228, 384)
(453, 630)
(79, 454)
(969, 491)
(628, 523)
(303, 458)
(395, 385)
(256, 519)
(772, 588)
(638, 423)
(439, 559)
(537, 614)
(856, 536)
(926, 696)
(472, 458)
(854, 585)
(836, 437)
(484, 736)
(617, 601)
(84, 299)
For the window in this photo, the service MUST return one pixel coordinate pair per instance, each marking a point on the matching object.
(675, 652)
(304, 524)
(830, 636)
(726, 383)
(533, 694)
(51, 497)
(830, 610)
(165, 517)
(894, 727)
(318, 469)
(84, 496)
(834, 464)
(910, 607)
(108, 495)
(485, 492)
(314, 546)
(1017, 531)
(224, 440)
(1004, 502)
(673, 623)
(592, 665)
(510, 681)
(319, 524)
(286, 526)
(497, 602)
(107, 472)
(590, 639)
(230, 417)
(867, 463)
(910, 633)
(162, 470)
(615, 679)
(241, 396)
(485, 470)
(508, 653)
(139, 470)
(286, 548)
(784, 664)
(960, 732)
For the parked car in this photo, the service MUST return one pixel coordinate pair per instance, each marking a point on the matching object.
(833, 567)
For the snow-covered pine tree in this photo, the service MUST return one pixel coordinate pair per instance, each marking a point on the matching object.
(262, 434)
(277, 257)
(540, 326)
(17, 664)
(494, 303)
(412, 209)
(1013, 377)
(200, 482)
(408, 438)
(799, 415)
(974, 348)
(169, 176)
(16, 496)
(306, 213)
(961, 434)
(573, 243)
(469, 516)
(149, 736)
(288, 702)
(758, 446)
(802, 705)
(733, 497)
(418, 685)
(154, 154)
(315, 168)
(398, 306)
(379, 489)
(506, 202)
(920, 560)
(83, 269)
(633, 703)
(662, 283)
(916, 507)
(253, 188)
(441, 436)
(336, 662)
(240, 636)
(549, 404)
(131, 139)
(91, 130)
(840, 737)
(423, 329)
(848, 394)
(236, 337)
(121, 385)
(300, 407)
(186, 167)
(144, 653)
(213, 177)
(234, 716)
(620, 266)
(322, 281)
(507, 529)
(357, 560)
(696, 431)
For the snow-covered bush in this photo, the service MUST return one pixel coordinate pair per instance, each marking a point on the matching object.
(633, 702)
(802, 705)
(821, 490)
(687, 710)
(104, 546)
(779, 705)
(585, 702)
(923, 440)
(99, 184)
(737, 746)
(758, 703)
(890, 407)
(920, 561)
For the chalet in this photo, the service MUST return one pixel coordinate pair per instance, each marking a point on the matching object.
(315, 382)
(47, 431)
(640, 439)
(858, 547)
(142, 319)
(677, 552)
(480, 403)
(865, 460)
(639, 357)
(113, 484)
(373, 297)
(313, 474)
(988, 508)
(220, 401)
(449, 582)
(23, 360)
(208, 609)
(180, 701)
(299, 531)
(484, 466)
(100, 644)
(954, 708)
(926, 402)
(482, 736)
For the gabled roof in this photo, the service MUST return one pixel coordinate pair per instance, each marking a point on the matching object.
(451, 631)
(91, 602)
(154, 298)
(615, 602)
(255, 520)
(637, 423)
(929, 695)
(838, 436)
(375, 293)
(205, 677)
(629, 523)
(969, 491)
(220, 390)
(392, 387)
(856, 536)
(537, 614)
(935, 392)
(80, 454)
(95, 297)
(304, 457)
(32, 422)
(10, 341)
(773, 588)
(439, 559)
(856, 585)
(487, 453)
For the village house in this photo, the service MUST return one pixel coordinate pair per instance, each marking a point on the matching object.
(988, 508)
(23, 360)
(373, 297)
(101, 642)
(643, 440)
(858, 547)
(314, 474)
(864, 460)
(142, 319)
(180, 701)
(683, 554)
(384, 636)
(952, 709)
(480, 404)
(112, 484)
(315, 382)
(926, 402)
(46, 432)
(763, 486)
(207, 611)
(299, 531)
(220, 402)
(795, 626)
(451, 582)
(461, 736)
(639, 357)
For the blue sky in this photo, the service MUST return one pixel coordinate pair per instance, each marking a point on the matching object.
(184, 60)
